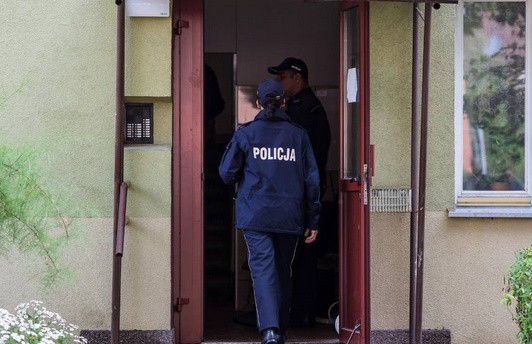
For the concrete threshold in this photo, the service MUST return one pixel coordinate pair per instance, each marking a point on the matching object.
(288, 342)
(166, 337)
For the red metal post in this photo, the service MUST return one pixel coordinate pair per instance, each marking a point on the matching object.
(414, 171)
(422, 173)
(119, 167)
(121, 226)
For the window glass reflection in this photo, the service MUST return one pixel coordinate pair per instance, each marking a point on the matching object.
(494, 96)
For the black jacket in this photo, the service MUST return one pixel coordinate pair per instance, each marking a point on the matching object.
(306, 110)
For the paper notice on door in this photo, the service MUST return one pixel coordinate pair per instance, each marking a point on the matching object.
(352, 85)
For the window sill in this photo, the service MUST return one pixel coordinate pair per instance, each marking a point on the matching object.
(491, 212)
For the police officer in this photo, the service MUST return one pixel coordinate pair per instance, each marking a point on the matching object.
(305, 109)
(278, 200)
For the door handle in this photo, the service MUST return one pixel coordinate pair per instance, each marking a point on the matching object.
(372, 159)
(366, 184)
(350, 185)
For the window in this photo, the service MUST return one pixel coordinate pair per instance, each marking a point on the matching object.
(492, 117)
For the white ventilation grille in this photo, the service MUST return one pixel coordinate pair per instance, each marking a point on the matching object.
(391, 200)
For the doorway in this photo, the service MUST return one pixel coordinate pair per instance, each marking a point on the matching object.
(258, 34)
(229, 313)
(239, 56)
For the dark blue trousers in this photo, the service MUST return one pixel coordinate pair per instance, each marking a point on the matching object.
(270, 258)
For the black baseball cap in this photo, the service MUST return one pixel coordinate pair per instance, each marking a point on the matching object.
(291, 63)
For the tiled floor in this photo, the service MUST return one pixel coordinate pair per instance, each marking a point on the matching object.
(220, 327)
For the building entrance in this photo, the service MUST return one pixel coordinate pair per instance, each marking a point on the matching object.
(239, 55)
(239, 40)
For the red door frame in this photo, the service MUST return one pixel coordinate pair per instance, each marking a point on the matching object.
(354, 217)
(187, 171)
(187, 185)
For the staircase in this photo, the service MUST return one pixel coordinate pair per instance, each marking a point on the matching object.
(218, 229)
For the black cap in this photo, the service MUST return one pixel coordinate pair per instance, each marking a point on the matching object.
(291, 63)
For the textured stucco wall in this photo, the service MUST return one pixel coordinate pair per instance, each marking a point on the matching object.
(391, 83)
(148, 56)
(389, 93)
(149, 174)
(465, 259)
(85, 299)
(60, 58)
(58, 72)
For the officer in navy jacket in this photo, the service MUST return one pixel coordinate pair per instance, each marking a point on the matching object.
(278, 200)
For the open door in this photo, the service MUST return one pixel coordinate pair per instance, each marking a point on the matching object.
(187, 171)
(354, 173)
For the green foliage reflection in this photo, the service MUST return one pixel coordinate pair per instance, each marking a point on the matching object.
(494, 98)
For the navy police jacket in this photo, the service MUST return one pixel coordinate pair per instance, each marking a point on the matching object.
(278, 180)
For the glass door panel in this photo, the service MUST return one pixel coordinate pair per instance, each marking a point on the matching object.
(351, 103)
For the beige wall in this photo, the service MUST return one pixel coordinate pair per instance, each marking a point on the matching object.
(465, 260)
(58, 69)
(465, 265)
(148, 56)
(85, 299)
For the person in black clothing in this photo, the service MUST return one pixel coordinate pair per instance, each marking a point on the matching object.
(305, 109)
(213, 103)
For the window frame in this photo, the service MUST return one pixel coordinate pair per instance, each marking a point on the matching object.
(489, 199)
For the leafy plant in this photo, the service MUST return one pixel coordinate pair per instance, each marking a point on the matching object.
(30, 218)
(519, 293)
(32, 323)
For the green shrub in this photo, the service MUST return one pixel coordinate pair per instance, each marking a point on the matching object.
(31, 218)
(519, 293)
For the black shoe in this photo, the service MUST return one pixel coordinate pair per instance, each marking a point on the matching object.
(301, 321)
(282, 338)
(271, 336)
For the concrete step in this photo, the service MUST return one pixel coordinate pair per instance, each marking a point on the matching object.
(399, 336)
